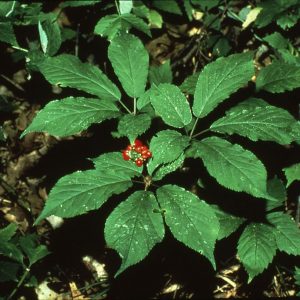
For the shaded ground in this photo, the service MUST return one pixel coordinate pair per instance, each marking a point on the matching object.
(31, 166)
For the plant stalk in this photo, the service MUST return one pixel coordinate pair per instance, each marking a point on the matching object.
(27, 270)
(126, 108)
(194, 127)
(134, 106)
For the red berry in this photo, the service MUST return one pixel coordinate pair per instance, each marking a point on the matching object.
(146, 153)
(129, 148)
(138, 143)
(139, 162)
(125, 155)
(141, 149)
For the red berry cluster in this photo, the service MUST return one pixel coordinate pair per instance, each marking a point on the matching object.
(137, 153)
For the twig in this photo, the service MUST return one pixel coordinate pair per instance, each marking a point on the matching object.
(16, 85)
(27, 270)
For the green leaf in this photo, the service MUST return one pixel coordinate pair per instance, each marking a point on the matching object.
(161, 74)
(125, 6)
(220, 79)
(222, 47)
(286, 232)
(292, 173)
(232, 166)
(155, 19)
(133, 125)
(189, 84)
(277, 190)
(10, 250)
(133, 228)
(257, 120)
(8, 232)
(288, 20)
(7, 34)
(68, 71)
(256, 248)
(170, 6)
(71, 115)
(110, 25)
(9, 271)
(144, 99)
(272, 10)
(32, 249)
(278, 77)
(288, 57)
(166, 147)
(296, 132)
(228, 222)
(165, 169)
(7, 247)
(80, 192)
(78, 3)
(171, 104)
(50, 36)
(191, 220)
(276, 40)
(206, 4)
(130, 61)
(7, 8)
(114, 161)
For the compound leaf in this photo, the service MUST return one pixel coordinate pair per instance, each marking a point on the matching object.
(171, 105)
(191, 220)
(256, 248)
(130, 61)
(133, 125)
(257, 120)
(68, 71)
(232, 166)
(286, 232)
(133, 228)
(83, 191)
(278, 77)
(114, 161)
(292, 173)
(166, 147)
(71, 115)
(219, 80)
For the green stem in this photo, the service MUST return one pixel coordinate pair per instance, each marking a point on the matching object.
(20, 48)
(126, 108)
(117, 6)
(194, 127)
(134, 106)
(199, 133)
(27, 270)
